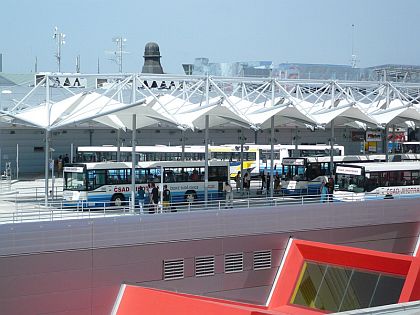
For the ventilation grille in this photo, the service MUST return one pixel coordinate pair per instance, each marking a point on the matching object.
(173, 269)
(262, 260)
(234, 263)
(204, 266)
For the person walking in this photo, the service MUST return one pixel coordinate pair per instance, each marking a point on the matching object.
(238, 181)
(247, 182)
(324, 191)
(155, 197)
(263, 182)
(141, 194)
(277, 183)
(229, 195)
(166, 198)
(330, 187)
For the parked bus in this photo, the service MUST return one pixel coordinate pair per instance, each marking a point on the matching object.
(229, 153)
(410, 147)
(283, 151)
(256, 158)
(110, 182)
(304, 175)
(362, 181)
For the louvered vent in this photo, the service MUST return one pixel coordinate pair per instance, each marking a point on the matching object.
(234, 262)
(173, 269)
(262, 260)
(204, 266)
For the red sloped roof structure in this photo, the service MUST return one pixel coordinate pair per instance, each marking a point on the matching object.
(135, 299)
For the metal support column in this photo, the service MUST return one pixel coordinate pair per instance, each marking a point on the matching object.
(133, 165)
(71, 152)
(47, 156)
(206, 162)
(118, 145)
(206, 143)
(272, 142)
(241, 160)
(47, 139)
(17, 160)
(332, 140)
(272, 158)
(183, 145)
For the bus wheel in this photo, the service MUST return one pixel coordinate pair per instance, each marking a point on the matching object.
(117, 200)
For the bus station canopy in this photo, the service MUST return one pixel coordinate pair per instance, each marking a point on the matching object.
(284, 114)
(342, 112)
(218, 113)
(397, 113)
(228, 111)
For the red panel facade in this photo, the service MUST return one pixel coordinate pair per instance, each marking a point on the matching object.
(152, 301)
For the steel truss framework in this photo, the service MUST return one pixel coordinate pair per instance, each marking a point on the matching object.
(242, 98)
(242, 95)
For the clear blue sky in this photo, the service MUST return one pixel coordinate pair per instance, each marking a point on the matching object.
(304, 31)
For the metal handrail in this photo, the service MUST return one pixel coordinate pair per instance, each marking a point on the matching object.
(27, 210)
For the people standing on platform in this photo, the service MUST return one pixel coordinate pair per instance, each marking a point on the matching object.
(155, 198)
(247, 182)
(141, 194)
(263, 181)
(323, 191)
(277, 183)
(238, 181)
(229, 195)
(166, 198)
(330, 187)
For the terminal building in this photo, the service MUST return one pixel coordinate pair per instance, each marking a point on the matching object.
(265, 69)
(282, 257)
(22, 144)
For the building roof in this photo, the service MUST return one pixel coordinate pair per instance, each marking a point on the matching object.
(313, 278)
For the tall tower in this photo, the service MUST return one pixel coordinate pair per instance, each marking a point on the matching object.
(152, 59)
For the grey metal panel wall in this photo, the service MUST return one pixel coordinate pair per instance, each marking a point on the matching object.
(118, 231)
(77, 266)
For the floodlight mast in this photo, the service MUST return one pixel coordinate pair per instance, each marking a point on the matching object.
(353, 56)
(119, 41)
(59, 37)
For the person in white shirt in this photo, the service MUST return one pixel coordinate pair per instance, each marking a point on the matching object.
(229, 195)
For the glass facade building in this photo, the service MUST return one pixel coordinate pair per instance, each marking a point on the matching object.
(337, 289)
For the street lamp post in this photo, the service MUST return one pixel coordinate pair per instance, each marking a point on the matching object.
(59, 37)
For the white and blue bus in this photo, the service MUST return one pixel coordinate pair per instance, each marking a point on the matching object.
(304, 175)
(228, 152)
(284, 151)
(256, 157)
(110, 182)
(364, 181)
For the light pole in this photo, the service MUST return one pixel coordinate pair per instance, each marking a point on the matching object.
(59, 37)
(119, 51)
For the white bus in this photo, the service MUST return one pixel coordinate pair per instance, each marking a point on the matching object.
(363, 181)
(304, 175)
(256, 157)
(282, 151)
(229, 152)
(94, 184)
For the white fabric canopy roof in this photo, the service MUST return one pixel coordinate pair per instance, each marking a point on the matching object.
(219, 114)
(77, 108)
(342, 114)
(397, 113)
(227, 111)
(283, 115)
(146, 115)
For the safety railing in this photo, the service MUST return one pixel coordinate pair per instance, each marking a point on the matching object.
(33, 210)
